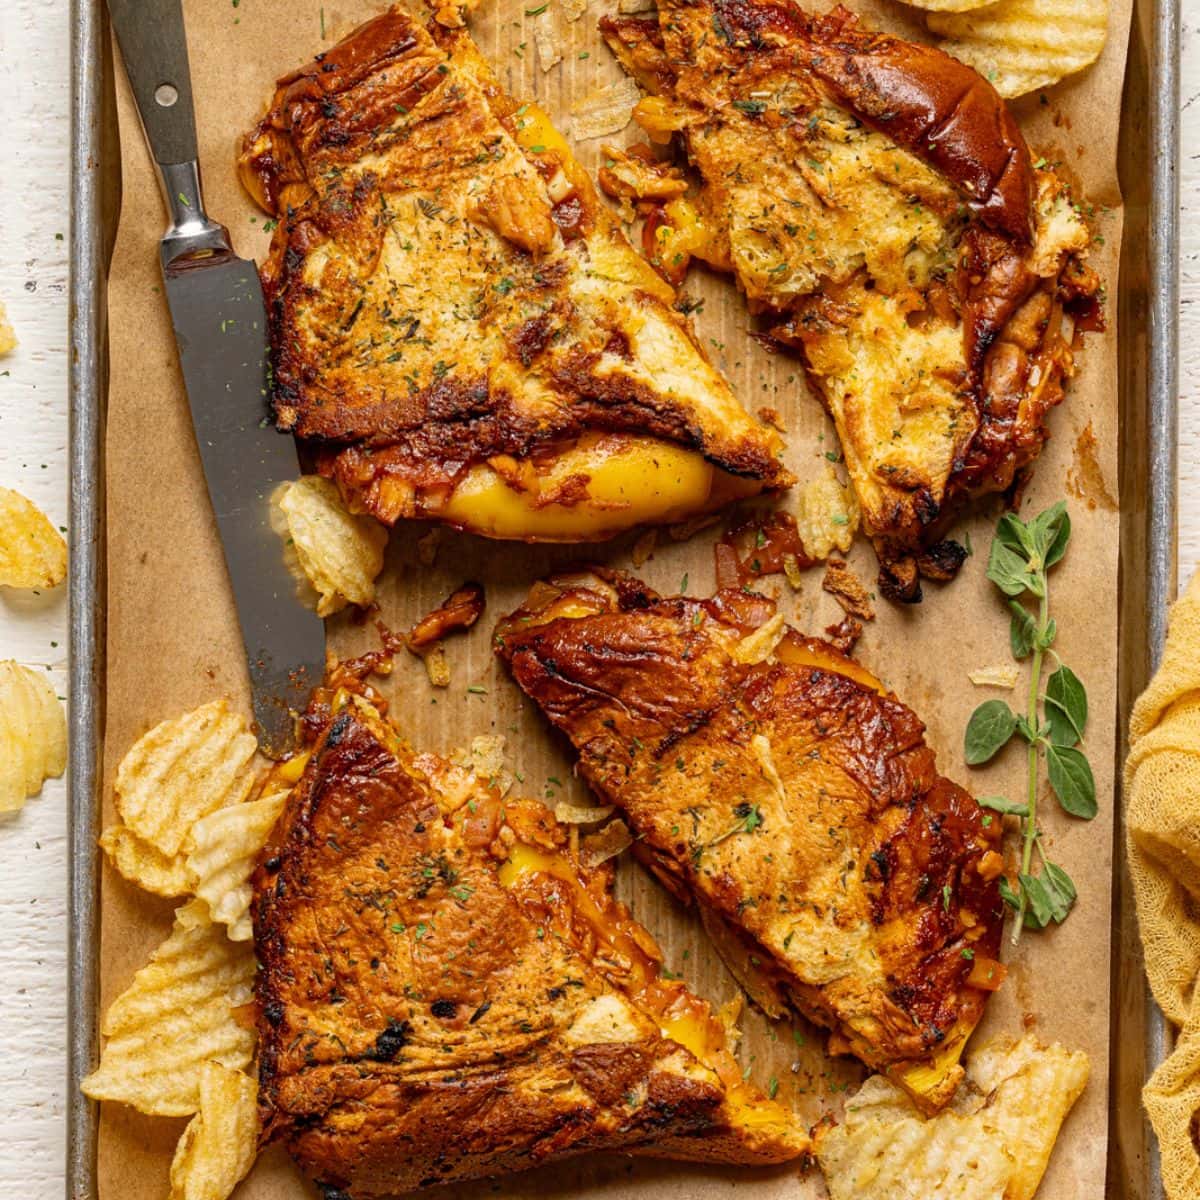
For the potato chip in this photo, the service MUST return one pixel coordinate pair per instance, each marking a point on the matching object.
(993, 1143)
(487, 761)
(338, 553)
(603, 110)
(176, 1015)
(758, 646)
(141, 863)
(33, 734)
(218, 1148)
(546, 41)
(182, 770)
(606, 843)
(222, 850)
(8, 339)
(1022, 45)
(32, 552)
(828, 515)
(1002, 675)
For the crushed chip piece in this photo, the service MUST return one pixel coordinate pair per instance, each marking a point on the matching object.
(545, 41)
(33, 553)
(144, 865)
(222, 850)
(604, 110)
(581, 814)
(177, 1014)
(486, 760)
(573, 9)
(336, 552)
(33, 734)
(1004, 675)
(219, 1145)
(758, 646)
(1022, 45)
(828, 515)
(436, 665)
(993, 1143)
(606, 843)
(8, 339)
(629, 7)
(182, 770)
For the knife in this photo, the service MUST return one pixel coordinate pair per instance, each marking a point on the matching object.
(220, 321)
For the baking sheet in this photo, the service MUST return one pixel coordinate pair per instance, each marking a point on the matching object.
(172, 639)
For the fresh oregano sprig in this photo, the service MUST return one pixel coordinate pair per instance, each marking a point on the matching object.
(1053, 722)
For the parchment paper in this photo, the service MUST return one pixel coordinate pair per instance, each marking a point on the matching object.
(173, 640)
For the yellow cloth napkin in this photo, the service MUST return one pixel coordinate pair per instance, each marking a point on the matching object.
(1162, 791)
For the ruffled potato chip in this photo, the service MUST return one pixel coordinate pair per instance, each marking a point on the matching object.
(828, 515)
(33, 734)
(218, 1148)
(606, 109)
(222, 849)
(336, 552)
(176, 1015)
(992, 1143)
(182, 770)
(33, 553)
(1022, 45)
(142, 864)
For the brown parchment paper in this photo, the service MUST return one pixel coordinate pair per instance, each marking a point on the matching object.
(173, 640)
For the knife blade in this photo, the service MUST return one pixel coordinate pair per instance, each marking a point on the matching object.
(219, 316)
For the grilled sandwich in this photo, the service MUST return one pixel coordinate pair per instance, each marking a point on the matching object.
(779, 785)
(459, 328)
(445, 993)
(878, 205)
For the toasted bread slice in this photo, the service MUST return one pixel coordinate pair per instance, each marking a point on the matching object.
(786, 791)
(445, 994)
(459, 326)
(878, 205)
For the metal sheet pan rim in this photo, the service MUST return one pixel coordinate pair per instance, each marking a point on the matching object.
(95, 159)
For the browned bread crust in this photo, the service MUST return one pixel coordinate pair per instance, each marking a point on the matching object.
(889, 189)
(792, 797)
(446, 289)
(425, 1018)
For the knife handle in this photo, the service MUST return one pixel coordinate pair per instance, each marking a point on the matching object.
(154, 46)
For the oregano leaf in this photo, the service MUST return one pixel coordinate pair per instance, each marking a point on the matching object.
(1060, 889)
(1007, 570)
(990, 727)
(1071, 780)
(1065, 690)
(1022, 631)
(1008, 895)
(1059, 727)
(1039, 906)
(1011, 808)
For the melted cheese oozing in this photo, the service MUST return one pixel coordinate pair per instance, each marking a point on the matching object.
(630, 481)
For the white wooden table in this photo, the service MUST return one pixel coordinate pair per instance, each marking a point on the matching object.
(34, 134)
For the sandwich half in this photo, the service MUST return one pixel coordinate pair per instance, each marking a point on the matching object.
(459, 328)
(878, 205)
(780, 786)
(445, 993)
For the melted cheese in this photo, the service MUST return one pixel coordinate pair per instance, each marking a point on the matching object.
(630, 481)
